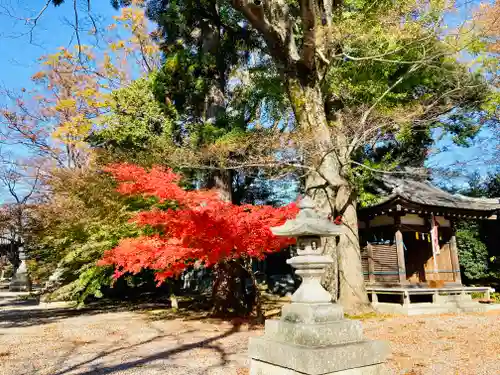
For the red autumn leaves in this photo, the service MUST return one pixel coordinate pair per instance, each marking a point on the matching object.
(201, 229)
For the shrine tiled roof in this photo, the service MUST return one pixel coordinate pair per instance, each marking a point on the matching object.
(392, 189)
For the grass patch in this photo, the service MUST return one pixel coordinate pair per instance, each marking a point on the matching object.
(200, 308)
(495, 297)
(25, 297)
(30, 296)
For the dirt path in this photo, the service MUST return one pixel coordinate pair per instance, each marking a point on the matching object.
(61, 341)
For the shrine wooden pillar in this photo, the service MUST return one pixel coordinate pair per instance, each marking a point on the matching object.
(455, 264)
(400, 250)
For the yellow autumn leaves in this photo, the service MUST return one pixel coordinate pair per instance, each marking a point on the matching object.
(75, 85)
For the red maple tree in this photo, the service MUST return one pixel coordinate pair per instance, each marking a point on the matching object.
(201, 229)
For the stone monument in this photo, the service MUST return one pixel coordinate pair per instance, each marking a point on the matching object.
(20, 280)
(312, 337)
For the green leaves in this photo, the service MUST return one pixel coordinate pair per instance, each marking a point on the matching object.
(397, 61)
(473, 253)
(478, 240)
(84, 218)
(136, 120)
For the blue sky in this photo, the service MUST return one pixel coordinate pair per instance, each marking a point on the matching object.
(18, 56)
(18, 61)
(480, 156)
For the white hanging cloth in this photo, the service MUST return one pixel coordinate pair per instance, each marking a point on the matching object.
(436, 250)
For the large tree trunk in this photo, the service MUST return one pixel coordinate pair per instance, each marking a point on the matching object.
(303, 68)
(228, 288)
(325, 154)
(351, 282)
(222, 181)
(228, 297)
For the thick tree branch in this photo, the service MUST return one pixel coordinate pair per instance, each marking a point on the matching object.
(34, 20)
(387, 172)
(308, 16)
(77, 31)
(274, 32)
(367, 113)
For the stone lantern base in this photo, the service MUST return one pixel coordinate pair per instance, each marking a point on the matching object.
(20, 281)
(332, 346)
(262, 368)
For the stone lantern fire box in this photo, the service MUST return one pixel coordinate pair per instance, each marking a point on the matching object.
(312, 337)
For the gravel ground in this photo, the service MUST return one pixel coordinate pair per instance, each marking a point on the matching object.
(61, 341)
(464, 344)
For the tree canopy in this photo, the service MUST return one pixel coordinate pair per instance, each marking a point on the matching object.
(190, 227)
(235, 95)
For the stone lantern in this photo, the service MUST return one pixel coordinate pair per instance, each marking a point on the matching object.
(20, 281)
(312, 337)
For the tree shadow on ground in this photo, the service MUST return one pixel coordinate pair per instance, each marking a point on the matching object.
(15, 314)
(18, 303)
(209, 343)
(115, 350)
(200, 309)
(15, 317)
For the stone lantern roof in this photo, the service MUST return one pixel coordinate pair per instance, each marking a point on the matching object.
(307, 223)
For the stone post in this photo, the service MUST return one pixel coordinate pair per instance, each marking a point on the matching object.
(312, 337)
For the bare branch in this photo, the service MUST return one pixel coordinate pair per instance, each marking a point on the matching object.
(323, 57)
(367, 113)
(37, 17)
(388, 172)
(384, 94)
(34, 185)
(77, 31)
(149, 68)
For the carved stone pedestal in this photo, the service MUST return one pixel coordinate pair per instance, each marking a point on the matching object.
(262, 368)
(332, 347)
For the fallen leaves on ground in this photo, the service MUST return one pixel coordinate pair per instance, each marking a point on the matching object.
(138, 343)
